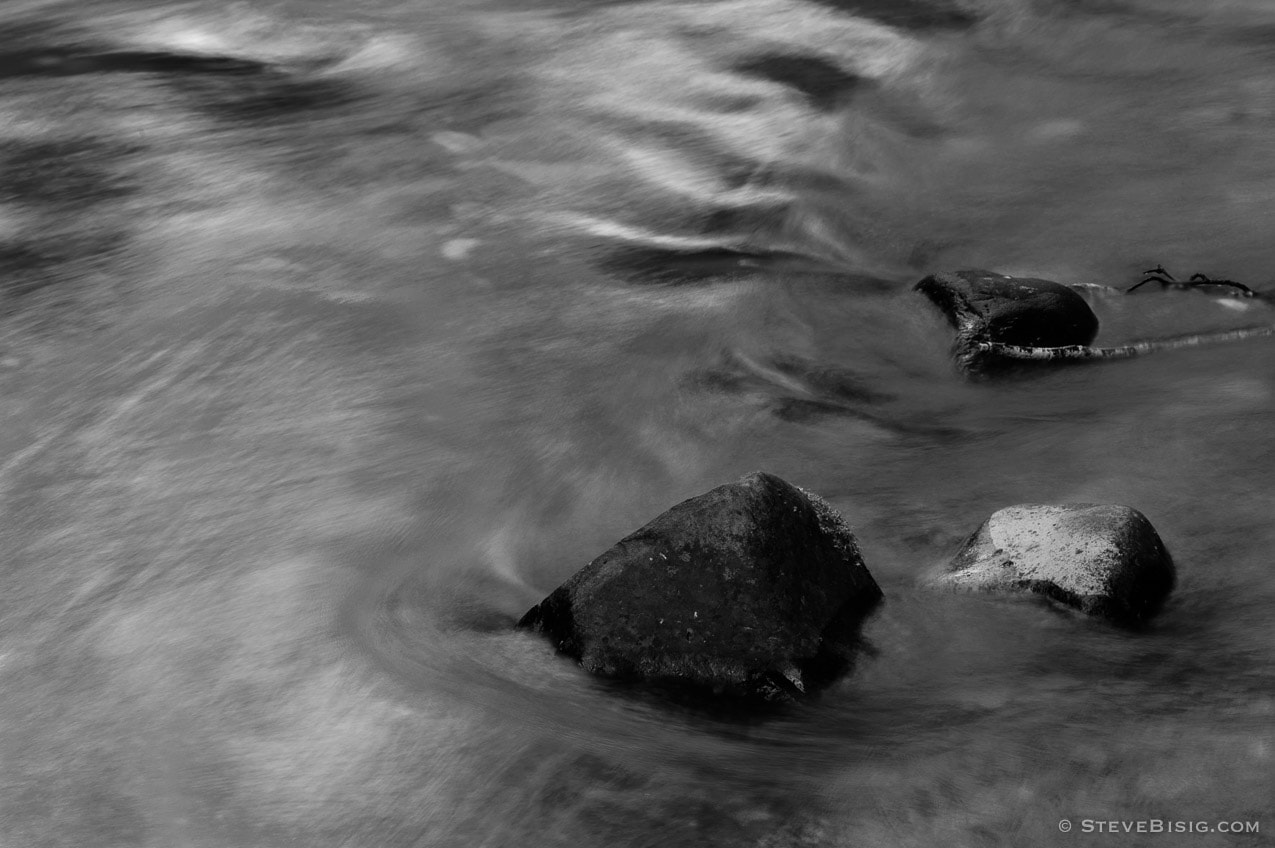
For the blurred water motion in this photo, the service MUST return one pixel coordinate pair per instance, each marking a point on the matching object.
(332, 339)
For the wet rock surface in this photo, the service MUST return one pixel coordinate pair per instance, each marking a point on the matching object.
(753, 590)
(985, 306)
(1103, 559)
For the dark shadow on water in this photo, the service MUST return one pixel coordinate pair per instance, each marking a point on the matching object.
(823, 83)
(72, 172)
(797, 390)
(664, 266)
(65, 61)
(268, 96)
(915, 429)
(802, 410)
(227, 87)
(908, 14)
(24, 270)
(29, 267)
(53, 49)
(1123, 10)
(831, 380)
(62, 191)
(794, 378)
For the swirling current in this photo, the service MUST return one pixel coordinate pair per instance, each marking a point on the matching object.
(333, 336)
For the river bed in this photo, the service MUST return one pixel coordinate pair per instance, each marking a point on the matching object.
(335, 338)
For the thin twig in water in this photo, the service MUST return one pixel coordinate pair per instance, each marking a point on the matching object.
(1164, 278)
(1083, 353)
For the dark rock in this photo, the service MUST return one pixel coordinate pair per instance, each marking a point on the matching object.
(1103, 559)
(987, 307)
(753, 590)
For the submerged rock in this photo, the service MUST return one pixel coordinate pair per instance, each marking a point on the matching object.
(987, 307)
(754, 590)
(1103, 559)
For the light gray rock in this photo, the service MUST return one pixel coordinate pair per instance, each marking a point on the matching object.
(1104, 559)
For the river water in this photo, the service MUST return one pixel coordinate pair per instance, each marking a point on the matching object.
(334, 338)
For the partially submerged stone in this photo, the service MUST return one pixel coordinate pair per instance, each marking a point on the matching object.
(754, 590)
(1103, 559)
(986, 307)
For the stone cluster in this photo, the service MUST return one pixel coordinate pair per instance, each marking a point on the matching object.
(756, 590)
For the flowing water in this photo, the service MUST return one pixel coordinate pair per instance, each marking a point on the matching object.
(336, 335)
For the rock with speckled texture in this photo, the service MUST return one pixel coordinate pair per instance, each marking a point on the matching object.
(753, 590)
(985, 306)
(1103, 559)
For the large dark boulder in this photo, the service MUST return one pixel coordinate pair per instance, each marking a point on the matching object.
(987, 307)
(753, 590)
(1103, 559)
